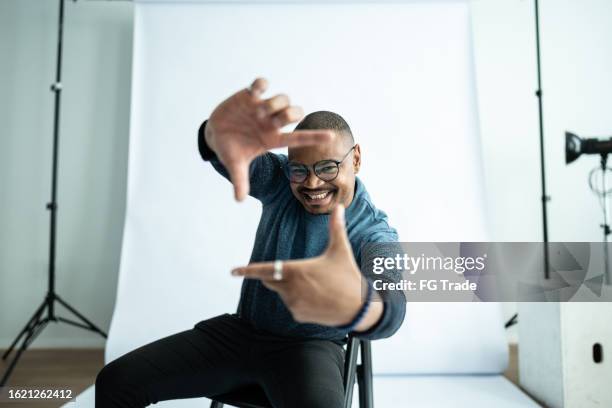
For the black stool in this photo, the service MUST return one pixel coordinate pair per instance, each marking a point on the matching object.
(254, 396)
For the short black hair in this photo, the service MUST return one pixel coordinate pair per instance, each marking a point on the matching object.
(328, 121)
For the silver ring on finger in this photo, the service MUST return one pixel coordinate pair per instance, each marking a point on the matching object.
(278, 270)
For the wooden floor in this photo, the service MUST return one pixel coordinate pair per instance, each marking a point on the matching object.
(71, 368)
(77, 369)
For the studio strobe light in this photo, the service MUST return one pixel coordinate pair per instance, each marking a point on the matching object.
(575, 146)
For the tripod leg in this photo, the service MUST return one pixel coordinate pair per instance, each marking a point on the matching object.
(68, 321)
(92, 326)
(26, 329)
(32, 333)
(36, 331)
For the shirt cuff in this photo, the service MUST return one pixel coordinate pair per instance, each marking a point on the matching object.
(388, 323)
(205, 151)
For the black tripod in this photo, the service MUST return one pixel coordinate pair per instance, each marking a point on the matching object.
(38, 321)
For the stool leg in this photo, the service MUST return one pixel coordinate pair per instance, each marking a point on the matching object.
(364, 376)
(350, 368)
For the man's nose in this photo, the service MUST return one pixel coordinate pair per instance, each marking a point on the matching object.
(312, 181)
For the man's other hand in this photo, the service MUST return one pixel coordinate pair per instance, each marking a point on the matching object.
(328, 289)
(245, 126)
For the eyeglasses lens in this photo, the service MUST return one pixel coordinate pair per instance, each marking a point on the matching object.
(326, 171)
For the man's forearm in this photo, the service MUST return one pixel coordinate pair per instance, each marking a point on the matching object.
(266, 166)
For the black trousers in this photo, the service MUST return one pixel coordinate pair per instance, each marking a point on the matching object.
(221, 354)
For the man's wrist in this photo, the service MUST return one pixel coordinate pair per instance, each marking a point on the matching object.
(357, 320)
(375, 312)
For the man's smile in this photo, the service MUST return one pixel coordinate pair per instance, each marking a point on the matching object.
(318, 196)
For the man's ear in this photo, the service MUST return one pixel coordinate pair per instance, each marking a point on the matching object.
(356, 158)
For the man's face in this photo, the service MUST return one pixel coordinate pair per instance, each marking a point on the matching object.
(319, 196)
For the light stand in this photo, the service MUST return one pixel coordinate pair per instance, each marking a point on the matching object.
(603, 193)
(37, 322)
(545, 198)
(576, 146)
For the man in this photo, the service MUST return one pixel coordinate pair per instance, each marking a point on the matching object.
(293, 315)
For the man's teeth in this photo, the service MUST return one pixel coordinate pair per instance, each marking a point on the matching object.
(319, 196)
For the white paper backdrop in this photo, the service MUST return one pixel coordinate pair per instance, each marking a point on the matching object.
(402, 75)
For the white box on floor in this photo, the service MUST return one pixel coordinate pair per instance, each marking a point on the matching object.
(565, 353)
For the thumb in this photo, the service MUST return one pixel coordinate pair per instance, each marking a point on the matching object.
(239, 175)
(338, 239)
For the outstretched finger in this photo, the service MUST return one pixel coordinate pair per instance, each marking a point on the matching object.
(258, 87)
(264, 271)
(288, 115)
(305, 138)
(273, 105)
(239, 175)
(338, 239)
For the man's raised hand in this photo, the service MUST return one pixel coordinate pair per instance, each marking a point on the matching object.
(245, 126)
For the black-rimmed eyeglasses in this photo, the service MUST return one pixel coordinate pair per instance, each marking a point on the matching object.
(326, 170)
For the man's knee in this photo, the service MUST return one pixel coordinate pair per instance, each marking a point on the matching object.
(115, 386)
(111, 376)
(319, 398)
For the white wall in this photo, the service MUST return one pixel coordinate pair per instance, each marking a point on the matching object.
(577, 59)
